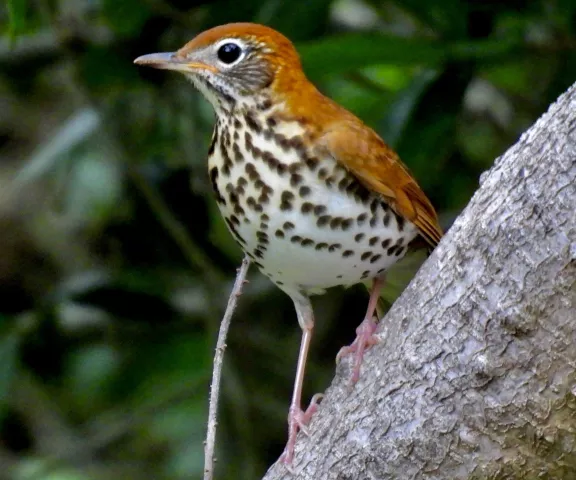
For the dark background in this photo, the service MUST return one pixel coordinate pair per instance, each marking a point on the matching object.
(115, 267)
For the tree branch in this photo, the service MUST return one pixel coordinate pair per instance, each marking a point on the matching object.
(475, 376)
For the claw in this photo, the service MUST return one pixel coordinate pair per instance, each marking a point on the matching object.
(365, 337)
(298, 420)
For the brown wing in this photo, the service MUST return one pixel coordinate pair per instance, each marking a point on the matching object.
(377, 166)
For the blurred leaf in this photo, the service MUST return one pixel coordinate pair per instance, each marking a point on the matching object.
(126, 17)
(306, 21)
(17, 17)
(135, 305)
(447, 18)
(75, 130)
(9, 343)
(399, 112)
(343, 53)
(428, 138)
(107, 72)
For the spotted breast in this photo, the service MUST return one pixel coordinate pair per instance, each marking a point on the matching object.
(305, 221)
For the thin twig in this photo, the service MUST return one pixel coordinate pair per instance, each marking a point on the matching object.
(217, 371)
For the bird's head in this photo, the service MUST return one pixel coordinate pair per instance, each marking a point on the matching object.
(234, 63)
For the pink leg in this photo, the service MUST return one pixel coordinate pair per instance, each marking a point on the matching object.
(365, 336)
(298, 418)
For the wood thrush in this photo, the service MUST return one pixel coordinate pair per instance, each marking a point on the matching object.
(311, 194)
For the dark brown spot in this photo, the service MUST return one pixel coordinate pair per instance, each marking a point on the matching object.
(335, 222)
(234, 219)
(237, 123)
(270, 160)
(265, 105)
(271, 121)
(259, 251)
(259, 265)
(373, 241)
(347, 253)
(400, 221)
(307, 207)
(346, 224)
(281, 169)
(391, 251)
(386, 243)
(312, 163)
(321, 246)
(214, 180)
(358, 237)
(288, 226)
(386, 219)
(282, 141)
(307, 242)
(295, 167)
(242, 181)
(279, 233)
(213, 142)
(248, 141)
(304, 191)
(264, 198)
(319, 209)
(322, 173)
(374, 205)
(375, 258)
(250, 169)
(400, 251)
(365, 256)
(296, 239)
(295, 179)
(252, 123)
(373, 221)
(323, 220)
(361, 218)
(334, 247)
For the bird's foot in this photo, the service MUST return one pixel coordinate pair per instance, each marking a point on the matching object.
(365, 337)
(298, 419)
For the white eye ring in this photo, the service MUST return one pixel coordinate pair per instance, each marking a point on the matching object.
(230, 52)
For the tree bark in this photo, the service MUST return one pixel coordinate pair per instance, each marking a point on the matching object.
(475, 376)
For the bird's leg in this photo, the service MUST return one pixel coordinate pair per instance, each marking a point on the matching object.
(365, 336)
(298, 418)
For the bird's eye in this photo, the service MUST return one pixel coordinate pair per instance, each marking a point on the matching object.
(229, 53)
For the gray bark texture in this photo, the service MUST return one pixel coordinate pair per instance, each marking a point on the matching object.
(475, 377)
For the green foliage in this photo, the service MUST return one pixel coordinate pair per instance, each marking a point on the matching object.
(16, 17)
(115, 264)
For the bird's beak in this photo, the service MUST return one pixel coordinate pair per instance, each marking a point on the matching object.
(172, 61)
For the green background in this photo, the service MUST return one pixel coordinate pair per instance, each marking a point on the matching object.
(115, 266)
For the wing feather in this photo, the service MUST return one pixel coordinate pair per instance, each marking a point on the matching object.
(362, 152)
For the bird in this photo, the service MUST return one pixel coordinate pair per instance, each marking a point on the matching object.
(311, 194)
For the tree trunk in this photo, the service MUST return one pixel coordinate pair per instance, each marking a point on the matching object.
(475, 376)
